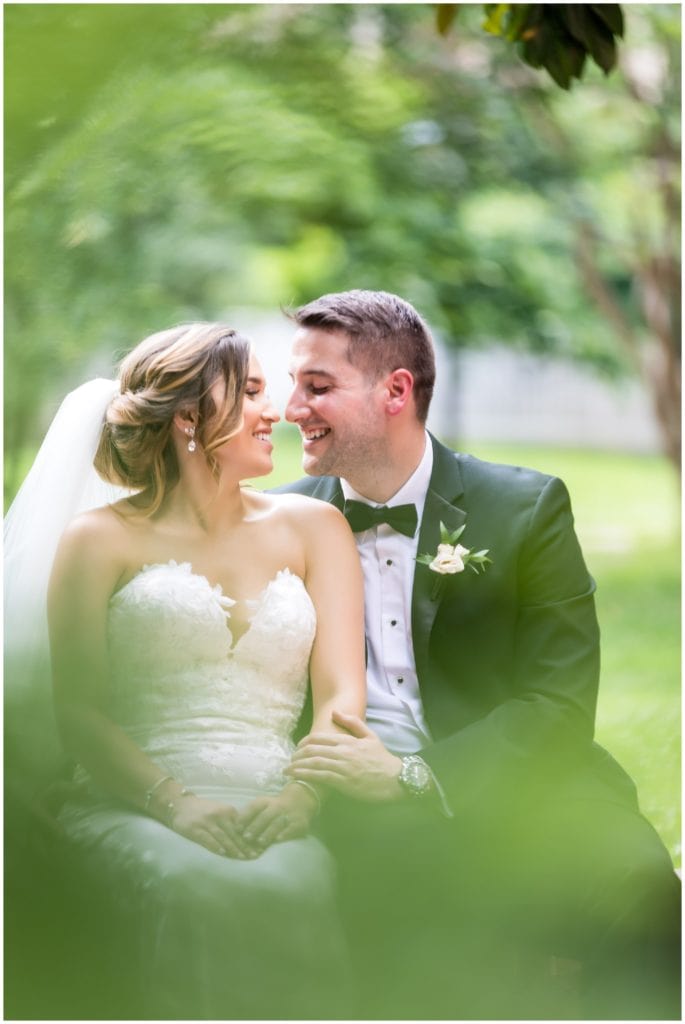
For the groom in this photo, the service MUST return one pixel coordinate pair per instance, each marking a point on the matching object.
(472, 807)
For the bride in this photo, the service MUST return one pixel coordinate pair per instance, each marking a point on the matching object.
(185, 620)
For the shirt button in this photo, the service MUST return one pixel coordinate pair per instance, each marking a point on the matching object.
(393, 622)
(400, 679)
(388, 561)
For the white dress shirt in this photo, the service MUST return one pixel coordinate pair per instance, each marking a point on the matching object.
(394, 708)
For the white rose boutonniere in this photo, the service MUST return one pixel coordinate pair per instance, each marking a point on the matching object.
(452, 558)
(449, 559)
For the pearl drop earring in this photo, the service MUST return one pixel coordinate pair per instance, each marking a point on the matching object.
(190, 431)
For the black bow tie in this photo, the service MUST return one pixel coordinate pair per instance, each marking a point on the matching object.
(361, 516)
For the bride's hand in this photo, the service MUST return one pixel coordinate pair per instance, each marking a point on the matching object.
(273, 819)
(210, 823)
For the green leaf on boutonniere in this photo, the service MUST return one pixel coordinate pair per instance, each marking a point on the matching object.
(450, 538)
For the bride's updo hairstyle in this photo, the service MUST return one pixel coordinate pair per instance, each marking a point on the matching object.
(169, 371)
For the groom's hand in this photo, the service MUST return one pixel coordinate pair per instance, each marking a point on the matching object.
(354, 762)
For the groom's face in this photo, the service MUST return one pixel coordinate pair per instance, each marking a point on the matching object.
(339, 411)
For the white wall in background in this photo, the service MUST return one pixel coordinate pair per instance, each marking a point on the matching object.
(498, 394)
(513, 396)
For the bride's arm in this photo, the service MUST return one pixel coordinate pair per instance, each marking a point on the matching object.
(337, 666)
(84, 575)
(88, 565)
(341, 751)
(335, 584)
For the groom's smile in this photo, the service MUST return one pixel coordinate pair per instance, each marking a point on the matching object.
(309, 436)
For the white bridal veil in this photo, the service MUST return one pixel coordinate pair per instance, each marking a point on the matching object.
(61, 483)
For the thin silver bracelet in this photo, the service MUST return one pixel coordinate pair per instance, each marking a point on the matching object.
(170, 806)
(308, 785)
(150, 792)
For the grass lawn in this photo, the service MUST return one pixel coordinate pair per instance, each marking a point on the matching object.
(628, 520)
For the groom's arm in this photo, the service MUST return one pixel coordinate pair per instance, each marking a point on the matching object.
(545, 724)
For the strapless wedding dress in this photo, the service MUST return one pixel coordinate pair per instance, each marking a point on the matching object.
(212, 937)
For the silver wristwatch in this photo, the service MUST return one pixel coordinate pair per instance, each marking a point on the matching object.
(415, 775)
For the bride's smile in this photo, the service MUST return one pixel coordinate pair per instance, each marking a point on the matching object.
(248, 452)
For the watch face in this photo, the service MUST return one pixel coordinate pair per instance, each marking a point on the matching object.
(415, 776)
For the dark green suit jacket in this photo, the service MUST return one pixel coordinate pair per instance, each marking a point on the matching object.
(507, 660)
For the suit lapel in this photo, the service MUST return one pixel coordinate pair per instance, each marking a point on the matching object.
(328, 489)
(443, 491)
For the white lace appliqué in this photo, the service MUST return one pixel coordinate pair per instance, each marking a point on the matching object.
(208, 710)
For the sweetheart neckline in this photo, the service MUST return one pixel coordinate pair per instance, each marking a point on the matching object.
(217, 591)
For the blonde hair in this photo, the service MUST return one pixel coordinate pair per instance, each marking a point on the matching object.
(169, 371)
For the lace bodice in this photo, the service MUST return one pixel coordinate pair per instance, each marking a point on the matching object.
(209, 710)
(211, 937)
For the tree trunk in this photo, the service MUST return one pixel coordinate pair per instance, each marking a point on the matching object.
(657, 361)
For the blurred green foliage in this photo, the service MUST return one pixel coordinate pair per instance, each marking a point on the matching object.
(176, 161)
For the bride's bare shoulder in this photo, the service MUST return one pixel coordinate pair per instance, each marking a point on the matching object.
(100, 529)
(304, 513)
(297, 504)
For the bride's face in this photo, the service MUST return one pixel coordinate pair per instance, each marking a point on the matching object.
(248, 453)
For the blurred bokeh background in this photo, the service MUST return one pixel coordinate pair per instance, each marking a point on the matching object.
(189, 161)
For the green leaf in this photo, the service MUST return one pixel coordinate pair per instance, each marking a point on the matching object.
(603, 51)
(579, 22)
(454, 537)
(611, 15)
(567, 60)
(558, 37)
(496, 13)
(531, 52)
(576, 56)
(593, 33)
(445, 15)
(533, 37)
(519, 20)
(589, 29)
(555, 57)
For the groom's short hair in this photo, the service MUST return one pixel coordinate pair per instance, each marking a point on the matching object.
(384, 333)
